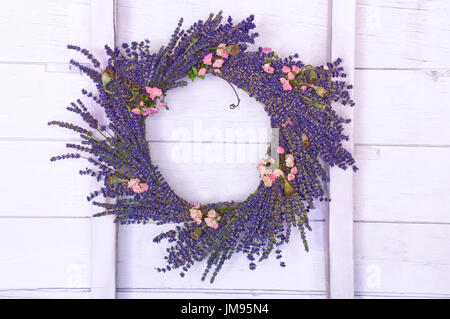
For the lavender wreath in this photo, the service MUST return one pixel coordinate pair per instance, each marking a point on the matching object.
(133, 86)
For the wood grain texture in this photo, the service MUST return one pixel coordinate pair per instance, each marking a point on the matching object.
(302, 27)
(103, 230)
(52, 188)
(340, 218)
(402, 107)
(395, 260)
(49, 90)
(174, 293)
(402, 34)
(403, 184)
(44, 253)
(39, 31)
(138, 257)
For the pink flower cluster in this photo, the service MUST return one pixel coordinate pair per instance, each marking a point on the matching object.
(153, 93)
(267, 174)
(211, 219)
(136, 185)
(290, 75)
(289, 159)
(222, 54)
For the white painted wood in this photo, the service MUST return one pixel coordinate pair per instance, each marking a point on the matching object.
(402, 107)
(138, 257)
(300, 26)
(51, 188)
(35, 94)
(217, 294)
(46, 293)
(44, 253)
(402, 260)
(104, 231)
(405, 184)
(201, 112)
(340, 220)
(402, 34)
(39, 31)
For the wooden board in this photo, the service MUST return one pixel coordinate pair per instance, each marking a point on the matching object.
(402, 260)
(402, 34)
(39, 31)
(403, 184)
(302, 27)
(402, 107)
(138, 256)
(48, 254)
(37, 187)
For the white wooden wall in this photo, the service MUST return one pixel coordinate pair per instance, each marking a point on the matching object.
(401, 220)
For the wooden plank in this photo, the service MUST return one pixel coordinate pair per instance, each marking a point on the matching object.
(218, 294)
(340, 222)
(36, 94)
(201, 112)
(302, 27)
(402, 107)
(402, 184)
(44, 253)
(104, 231)
(138, 257)
(39, 31)
(393, 259)
(52, 188)
(402, 34)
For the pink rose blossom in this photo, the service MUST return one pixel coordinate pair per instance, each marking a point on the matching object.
(290, 76)
(136, 111)
(217, 71)
(149, 111)
(153, 92)
(261, 168)
(221, 51)
(290, 177)
(207, 59)
(286, 69)
(211, 222)
(133, 181)
(212, 213)
(218, 63)
(287, 87)
(273, 177)
(289, 160)
(141, 103)
(163, 105)
(267, 181)
(266, 50)
(294, 170)
(295, 69)
(286, 84)
(303, 87)
(278, 172)
(144, 187)
(266, 67)
(271, 160)
(202, 71)
(280, 149)
(196, 205)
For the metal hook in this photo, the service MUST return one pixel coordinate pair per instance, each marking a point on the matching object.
(232, 105)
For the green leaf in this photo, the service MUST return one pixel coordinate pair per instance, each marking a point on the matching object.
(105, 79)
(320, 106)
(191, 75)
(194, 70)
(194, 40)
(201, 77)
(312, 76)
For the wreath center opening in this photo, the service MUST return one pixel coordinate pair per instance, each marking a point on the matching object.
(200, 141)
